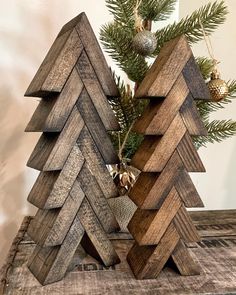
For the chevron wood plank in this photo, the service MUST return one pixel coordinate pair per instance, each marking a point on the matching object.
(95, 91)
(97, 200)
(154, 120)
(147, 262)
(187, 191)
(189, 155)
(52, 188)
(52, 113)
(96, 128)
(162, 75)
(191, 117)
(49, 227)
(184, 262)
(96, 56)
(49, 264)
(96, 234)
(154, 152)
(96, 164)
(151, 189)
(148, 226)
(56, 67)
(195, 81)
(185, 226)
(52, 150)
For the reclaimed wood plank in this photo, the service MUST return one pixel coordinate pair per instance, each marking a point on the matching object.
(57, 65)
(189, 155)
(50, 227)
(191, 117)
(154, 120)
(96, 128)
(96, 234)
(154, 152)
(96, 164)
(52, 149)
(169, 64)
(148, 226)
(49, 264)
(97, 200)
(147, 262)
(52, 113)
(195, 81)
(52, 188)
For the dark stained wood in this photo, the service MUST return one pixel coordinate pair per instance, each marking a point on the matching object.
(96, 128)
(154, 152)
(184, 262)
(52, 188)
(97, 235)
(189, 155)
(57, 65)
(52, 113)
(49, 264)
(52, 150)
(169, 64)
(148, 226)
(96, 164)
(95, 91)
(158, 116)
(191, 117)
(97, 200)
(147, 262)
(49, 227)
(195, 81)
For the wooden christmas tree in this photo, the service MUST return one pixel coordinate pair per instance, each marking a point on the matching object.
(74, 184)
(161, 225)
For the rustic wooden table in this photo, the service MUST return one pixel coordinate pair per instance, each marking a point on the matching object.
(216, 253)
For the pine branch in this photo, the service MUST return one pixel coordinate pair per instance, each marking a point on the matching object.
(210, 15)
(117, 41)
(205, 64)
(232, 88)
(157, 10)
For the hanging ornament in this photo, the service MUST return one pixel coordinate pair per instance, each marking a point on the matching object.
(144, 42)
(218, 88)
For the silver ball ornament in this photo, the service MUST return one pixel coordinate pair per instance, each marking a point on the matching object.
(144, 43)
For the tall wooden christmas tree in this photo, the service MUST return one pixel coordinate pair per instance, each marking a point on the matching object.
(161, 225)
(74, 184)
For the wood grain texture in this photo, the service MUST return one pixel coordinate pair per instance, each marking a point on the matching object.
(169, 64)
(158, 116)
(52, 188)
(96, 128)
(95, 91)
(96, 164)
(52, 113)
(97, 235)
(57, 65)
(97, 200)
(191, 118)
(52, 150)
(195, 81)
(154, 152)
(184, 262)
(189, 155)
(148, 226)
(147, 262)
(49, 227)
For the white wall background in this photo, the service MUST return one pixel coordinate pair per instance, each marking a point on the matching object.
(27, 30)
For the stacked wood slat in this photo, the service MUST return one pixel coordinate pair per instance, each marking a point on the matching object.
(74, 184)
(161, 225)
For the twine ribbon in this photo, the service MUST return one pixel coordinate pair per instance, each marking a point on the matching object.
(137, 18)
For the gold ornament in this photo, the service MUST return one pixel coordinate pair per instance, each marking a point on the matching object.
(218, 88)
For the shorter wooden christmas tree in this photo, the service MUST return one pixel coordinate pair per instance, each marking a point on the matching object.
(74, 184)
(161, 225)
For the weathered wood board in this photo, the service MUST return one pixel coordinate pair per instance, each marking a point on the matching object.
(216, 253)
